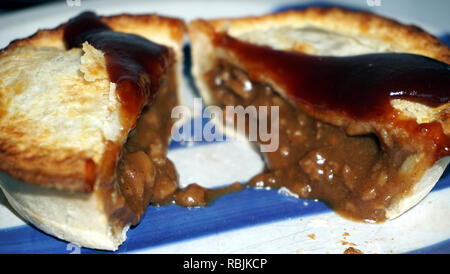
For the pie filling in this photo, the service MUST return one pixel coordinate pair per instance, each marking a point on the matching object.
(354, 175)
(145, 175)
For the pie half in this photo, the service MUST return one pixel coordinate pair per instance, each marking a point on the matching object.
(363, 102)
(70, 98)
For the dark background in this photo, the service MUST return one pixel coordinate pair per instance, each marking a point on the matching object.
(14, 5)
(10, 5)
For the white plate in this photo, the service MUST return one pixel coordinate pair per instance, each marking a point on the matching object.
(251, 221)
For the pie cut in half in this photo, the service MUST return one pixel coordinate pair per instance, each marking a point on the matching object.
(85, 123)
(363, 102)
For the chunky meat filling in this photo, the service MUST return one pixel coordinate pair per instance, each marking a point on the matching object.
(315, 160)
(145, 175)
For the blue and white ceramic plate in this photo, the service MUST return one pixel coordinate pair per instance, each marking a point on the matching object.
(251, 221)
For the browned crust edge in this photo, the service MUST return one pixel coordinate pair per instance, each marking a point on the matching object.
(173, 27)
(412, 38)
(77, 172)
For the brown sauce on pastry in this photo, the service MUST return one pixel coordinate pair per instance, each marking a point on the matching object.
(134, 63)
(358, 87)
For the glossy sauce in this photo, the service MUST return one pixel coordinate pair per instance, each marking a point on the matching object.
(359, 87)
(134, 63)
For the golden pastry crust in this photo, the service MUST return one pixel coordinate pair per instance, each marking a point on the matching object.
(65, 167)
(407, 38)
(74, 172)
(151, 26)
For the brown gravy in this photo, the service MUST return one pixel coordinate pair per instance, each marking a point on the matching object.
(134, 63)
(360, 86)
(316, 160)
(146, 176)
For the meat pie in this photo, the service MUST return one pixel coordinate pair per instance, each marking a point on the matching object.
(363, 102)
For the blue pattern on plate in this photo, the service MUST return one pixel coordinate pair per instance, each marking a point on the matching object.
(168, 224)
(321, 4)
(444, 181)
(445, 38)
(438, 248)
(187, 64)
